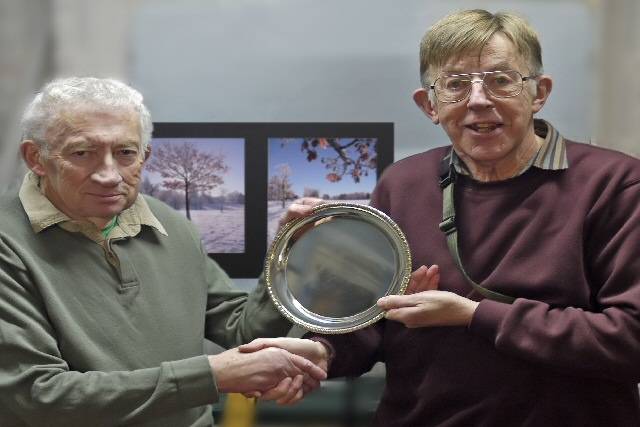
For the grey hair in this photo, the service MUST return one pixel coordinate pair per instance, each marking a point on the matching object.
(45, 110)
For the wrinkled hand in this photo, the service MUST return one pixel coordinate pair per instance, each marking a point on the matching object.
(288, 390)
(300, 208)
(257, 372)
(425, 306)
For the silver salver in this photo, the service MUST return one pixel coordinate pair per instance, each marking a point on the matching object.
(326, 271)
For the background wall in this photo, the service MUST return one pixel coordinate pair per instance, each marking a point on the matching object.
(303, 60)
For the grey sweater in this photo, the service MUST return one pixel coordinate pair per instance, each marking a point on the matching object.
(85, 343)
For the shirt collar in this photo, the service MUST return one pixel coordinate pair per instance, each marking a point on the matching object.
(552, 154)
(43, 214)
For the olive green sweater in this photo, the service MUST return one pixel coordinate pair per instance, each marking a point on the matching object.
(84, 342)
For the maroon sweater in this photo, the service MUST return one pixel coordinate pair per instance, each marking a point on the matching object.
(567, 351)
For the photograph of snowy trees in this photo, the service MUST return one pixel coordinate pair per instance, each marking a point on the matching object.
(204, 179)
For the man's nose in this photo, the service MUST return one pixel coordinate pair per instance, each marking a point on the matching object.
(107, 172)
(478, 95)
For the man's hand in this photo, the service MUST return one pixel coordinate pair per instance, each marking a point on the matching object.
(300, 208)
(257, 372)
(425, 306)
(288, 391)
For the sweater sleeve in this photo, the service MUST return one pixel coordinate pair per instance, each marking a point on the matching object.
(355, 353)
(40, 388)
(602, 340)
(235, 318)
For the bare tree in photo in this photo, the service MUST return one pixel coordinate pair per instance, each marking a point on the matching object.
(188, 169)
(310, 192)
(280, 185)
(223, 195)
(339, 162)
(149, 188)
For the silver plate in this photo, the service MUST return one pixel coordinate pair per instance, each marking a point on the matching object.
(326, 271)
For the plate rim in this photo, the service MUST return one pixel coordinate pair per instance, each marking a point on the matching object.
(318, 212)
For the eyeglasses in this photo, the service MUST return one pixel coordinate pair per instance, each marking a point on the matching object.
(501, 84)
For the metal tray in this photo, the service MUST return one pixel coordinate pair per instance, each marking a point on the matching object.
(326, 271)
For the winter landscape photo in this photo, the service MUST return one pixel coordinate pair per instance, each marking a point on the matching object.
(334, 169)
(204, 179)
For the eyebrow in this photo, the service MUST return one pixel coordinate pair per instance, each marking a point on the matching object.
(128, 143)
(500, 66)
(89, 143)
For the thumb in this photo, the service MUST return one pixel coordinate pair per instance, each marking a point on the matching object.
(308, 367)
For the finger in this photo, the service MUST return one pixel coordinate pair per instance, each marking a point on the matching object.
(279, 390)
(252, 394)
(309, 384)
(306, 366)
(416, 278)
(433, 278)
(300, 208)
(295, 399)
(424, 279)
(294, 389)
(311, 201)
(397, 301)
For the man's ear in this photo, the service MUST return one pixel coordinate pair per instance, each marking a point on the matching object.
(429, 108)
(544, 84)
(147, 153)
(32, 155)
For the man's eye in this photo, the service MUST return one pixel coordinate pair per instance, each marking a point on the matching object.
(128, 153)
(455, 84)
(80, 153)
(501, 80)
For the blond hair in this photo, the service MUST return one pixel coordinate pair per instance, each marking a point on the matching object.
(469, 31)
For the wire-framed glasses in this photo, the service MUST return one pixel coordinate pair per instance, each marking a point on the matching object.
(501, 84)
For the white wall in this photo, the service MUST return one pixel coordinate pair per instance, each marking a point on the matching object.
(335, 60)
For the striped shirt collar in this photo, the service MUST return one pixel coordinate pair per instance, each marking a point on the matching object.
(43, 214)
(552, 154)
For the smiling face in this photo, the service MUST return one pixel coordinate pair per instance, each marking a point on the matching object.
(92, 167)
(494, 136)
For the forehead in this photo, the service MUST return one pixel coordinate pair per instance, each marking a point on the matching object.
(498, 54)
(97, 123)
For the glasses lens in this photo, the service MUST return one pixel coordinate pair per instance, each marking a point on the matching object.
(503, 83)
(452, 88)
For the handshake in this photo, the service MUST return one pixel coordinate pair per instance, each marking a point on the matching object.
(280, 369)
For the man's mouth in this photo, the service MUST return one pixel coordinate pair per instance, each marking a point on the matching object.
(107, 196)
(484, 127)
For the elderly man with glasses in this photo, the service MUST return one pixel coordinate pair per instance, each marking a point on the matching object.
(529, 311)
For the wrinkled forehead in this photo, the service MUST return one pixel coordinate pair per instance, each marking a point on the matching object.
(77, 118)
(499, 53)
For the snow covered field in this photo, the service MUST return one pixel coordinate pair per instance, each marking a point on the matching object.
(275, 211)
(222, 232)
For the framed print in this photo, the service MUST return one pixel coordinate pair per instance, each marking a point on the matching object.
(212, 172)
(333, 161)
(221, 177)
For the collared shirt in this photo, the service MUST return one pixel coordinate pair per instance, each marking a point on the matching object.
(552, 154)
(43, 214)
